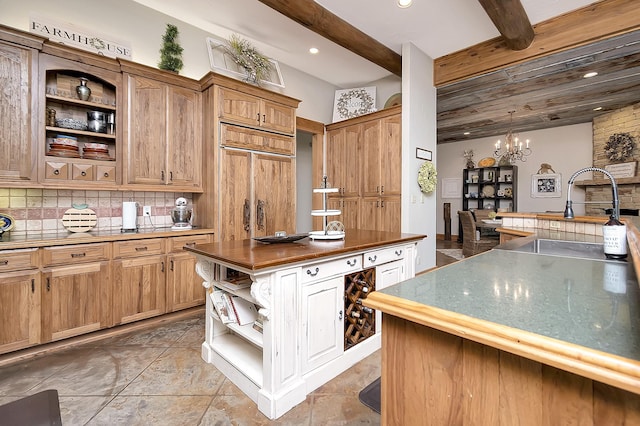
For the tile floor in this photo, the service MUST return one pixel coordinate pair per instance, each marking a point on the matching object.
(157, 377)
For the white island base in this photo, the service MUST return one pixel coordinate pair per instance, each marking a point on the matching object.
(301, 305)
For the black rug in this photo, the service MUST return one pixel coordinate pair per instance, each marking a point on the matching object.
(370, 396)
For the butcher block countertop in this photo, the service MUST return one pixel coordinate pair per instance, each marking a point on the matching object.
(254, 255)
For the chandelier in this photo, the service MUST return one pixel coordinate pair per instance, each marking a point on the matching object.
(513, 149)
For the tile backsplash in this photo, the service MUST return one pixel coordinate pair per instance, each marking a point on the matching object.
(41, 210)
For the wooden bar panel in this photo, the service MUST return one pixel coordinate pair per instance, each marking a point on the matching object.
(430, 377)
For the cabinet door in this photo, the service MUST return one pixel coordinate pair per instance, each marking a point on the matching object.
(76, 300)
(185, 137)
(391, 156)
(20, 302)
(389, 214)
(369, 213)
(277, 117)
(236, 209)
(146, 131)
(17, 134)
(343, 163)
(274, 188)
(371, 153)
(335, 153)
(238, 107)
(323, 324)
(184, 285)
(139, 288)
(387, 275)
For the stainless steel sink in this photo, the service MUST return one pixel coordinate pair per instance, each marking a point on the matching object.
(577, 249)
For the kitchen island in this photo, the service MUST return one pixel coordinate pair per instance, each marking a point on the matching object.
(512, 338)
(299, 340)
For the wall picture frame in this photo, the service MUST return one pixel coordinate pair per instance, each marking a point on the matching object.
(546, 185)
(223, 63)
(350, 103)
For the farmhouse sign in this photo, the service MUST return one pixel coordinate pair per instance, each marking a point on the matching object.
(80, 38)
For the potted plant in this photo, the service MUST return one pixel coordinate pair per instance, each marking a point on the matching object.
(171, 51)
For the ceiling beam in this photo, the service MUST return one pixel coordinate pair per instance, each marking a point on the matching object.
(512, 22)
(594, 22)
(311, 15)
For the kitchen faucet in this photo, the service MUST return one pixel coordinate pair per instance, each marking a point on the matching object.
(568, 211)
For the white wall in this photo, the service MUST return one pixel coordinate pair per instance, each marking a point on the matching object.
(567, 149)
(304, 184)
(418, 130)
(143, 28)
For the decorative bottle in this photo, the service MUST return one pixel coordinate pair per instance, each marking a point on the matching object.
(83, 91)
(615, 239)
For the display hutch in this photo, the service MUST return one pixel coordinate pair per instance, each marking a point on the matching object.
(489, 188)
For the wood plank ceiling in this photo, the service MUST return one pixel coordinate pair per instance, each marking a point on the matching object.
(545, 88)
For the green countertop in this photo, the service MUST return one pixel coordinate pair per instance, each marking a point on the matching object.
(593, 304)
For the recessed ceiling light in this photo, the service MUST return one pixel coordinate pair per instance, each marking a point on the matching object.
(404, 3)
(313, 50)
(590, 74)
(597, 109)
(466, 133)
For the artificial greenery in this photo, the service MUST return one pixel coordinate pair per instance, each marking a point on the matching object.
(427, 177)
(171, 51)
(619, 146)
(256, 65)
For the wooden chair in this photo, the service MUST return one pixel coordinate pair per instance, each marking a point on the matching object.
(471, 243)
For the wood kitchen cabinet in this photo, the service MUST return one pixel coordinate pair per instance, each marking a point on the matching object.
(163, 131)
(323, 322)
(382, 152)
(139, 279)
(364, 161)
(80, 168)
(76, 293)
(184, 285)
(243, 108)
(257, 193)
(18, 129)
(19, 299)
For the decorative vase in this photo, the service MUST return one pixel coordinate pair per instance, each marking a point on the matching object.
(83, 91)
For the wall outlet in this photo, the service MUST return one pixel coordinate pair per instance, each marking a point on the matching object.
(146, 211)
(554, 224)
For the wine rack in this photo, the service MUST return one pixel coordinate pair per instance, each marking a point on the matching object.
(359, 320)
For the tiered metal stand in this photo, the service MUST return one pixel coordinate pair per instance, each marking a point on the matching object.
(325, 234)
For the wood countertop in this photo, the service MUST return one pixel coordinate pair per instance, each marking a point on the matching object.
(253, 255)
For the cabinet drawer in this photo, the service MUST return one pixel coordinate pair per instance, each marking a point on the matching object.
(322, 270)
(82, 172)
(106, 173)
(56, 170)
(15, 260)
(79, 253)
(176, 243)
(123, 249)
(243, 138)
(378, 257)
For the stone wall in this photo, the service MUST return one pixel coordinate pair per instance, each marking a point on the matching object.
(624, 120)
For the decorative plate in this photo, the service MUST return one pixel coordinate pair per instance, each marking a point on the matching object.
(393, 100)
(7, 222)
(271, 239)
(488, 191)
(487, 162)
(79, 218)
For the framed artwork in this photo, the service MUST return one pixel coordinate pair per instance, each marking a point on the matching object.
(452, 188)
(546, 185)
(223, 63)
(351, 103)
(424, 154)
